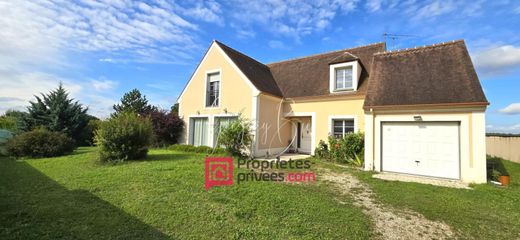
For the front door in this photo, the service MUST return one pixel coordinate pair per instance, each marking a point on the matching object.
(303, 132)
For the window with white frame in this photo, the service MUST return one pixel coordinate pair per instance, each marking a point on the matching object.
(344, 76)
(343, 79)
(213, 90)
(340, 127)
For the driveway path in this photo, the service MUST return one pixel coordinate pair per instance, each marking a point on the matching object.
(390, 223)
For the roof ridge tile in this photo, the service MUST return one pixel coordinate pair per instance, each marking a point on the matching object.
(325, 53)
(417, 49)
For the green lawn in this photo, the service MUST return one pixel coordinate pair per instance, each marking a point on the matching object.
(164, 198)
(486, 212)
(161, 198)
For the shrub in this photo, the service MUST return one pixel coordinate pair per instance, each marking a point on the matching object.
(5, 135)
(353, 144)
(236, 137)
(167, 127)
(349, 149)
(8, 123)
(322, 151)
(124, 137)
(40, 143)
(13, 121)
(199, 149)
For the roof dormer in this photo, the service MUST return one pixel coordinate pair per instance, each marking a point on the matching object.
(344, 73)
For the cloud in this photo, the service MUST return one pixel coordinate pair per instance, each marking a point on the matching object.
(21, 87)
(108, 60)
(515, 128)
(38, 40)
(141, 32)
(100, 106)
(513, 108)
(290, 18)
(275, 44)
(428, 10)
(434, 9)
(207, 11)
(242, 32)
(374, 5)
(101, 85)
(498, 60)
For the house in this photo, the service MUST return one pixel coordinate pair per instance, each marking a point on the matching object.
(422, 110)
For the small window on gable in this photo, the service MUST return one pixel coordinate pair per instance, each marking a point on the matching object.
(213, 90)
(344, 76)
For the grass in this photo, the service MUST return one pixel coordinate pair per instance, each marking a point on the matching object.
(486, 212)
(160, 198)
(164, 198)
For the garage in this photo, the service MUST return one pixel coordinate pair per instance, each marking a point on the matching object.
(421, 148)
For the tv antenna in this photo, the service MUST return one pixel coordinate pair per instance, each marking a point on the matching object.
(394, 37)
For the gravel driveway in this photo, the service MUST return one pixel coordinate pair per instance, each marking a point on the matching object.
(390, 223)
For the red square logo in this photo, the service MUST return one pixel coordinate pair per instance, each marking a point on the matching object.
(218, 171)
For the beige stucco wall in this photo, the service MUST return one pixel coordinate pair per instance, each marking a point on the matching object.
(236, 94)
(504, 147)
(322, 111)
(472, 138)
(274, 130)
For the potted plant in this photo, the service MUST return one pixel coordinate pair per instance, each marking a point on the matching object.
(504, 179)
(497, 172)
(495, 175)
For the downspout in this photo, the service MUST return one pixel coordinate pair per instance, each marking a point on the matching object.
(373, 139)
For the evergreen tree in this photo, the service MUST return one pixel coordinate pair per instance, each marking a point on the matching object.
(57, 112)
(134, 101)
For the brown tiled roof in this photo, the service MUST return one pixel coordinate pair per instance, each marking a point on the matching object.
(309, 76)
(258, 73)
(437, 74)
(345, 57)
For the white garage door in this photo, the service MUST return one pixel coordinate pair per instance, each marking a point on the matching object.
(422, 148)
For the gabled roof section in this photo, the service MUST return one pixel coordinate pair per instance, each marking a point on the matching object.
(345, 57)
(258, 73)
(437, 74)
(309, 76)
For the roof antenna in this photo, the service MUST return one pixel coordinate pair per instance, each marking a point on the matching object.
(394, 37)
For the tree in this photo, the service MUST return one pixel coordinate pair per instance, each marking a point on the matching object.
(175, 109)
(166, 126)
(57, 112)
(133, 101)
(87, 135)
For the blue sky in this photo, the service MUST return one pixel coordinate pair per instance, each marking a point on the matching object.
(101, 49)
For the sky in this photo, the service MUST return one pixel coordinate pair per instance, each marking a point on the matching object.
(101, 49)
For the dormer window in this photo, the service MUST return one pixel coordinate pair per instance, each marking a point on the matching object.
(344, 76)
(213, 89)
(343, 79)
